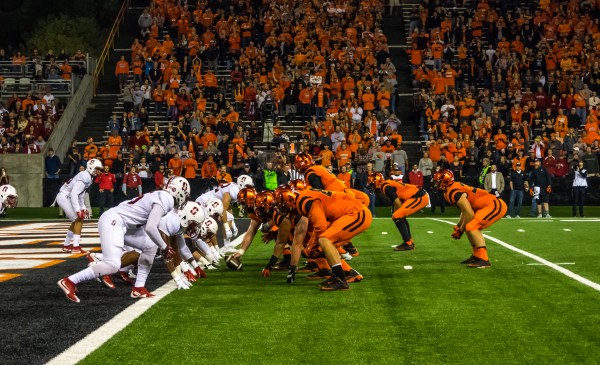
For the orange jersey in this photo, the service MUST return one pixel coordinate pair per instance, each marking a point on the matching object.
(402, 191)
(318, 177)
(322, 207)
(478, 198)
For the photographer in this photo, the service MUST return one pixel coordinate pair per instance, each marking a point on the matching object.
(579, 186)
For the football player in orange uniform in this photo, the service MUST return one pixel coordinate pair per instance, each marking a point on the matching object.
(408, 199)
(478, 210)
(336, 217)
(317, 177)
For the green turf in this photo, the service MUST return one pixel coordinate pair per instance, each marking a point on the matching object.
(439, 312)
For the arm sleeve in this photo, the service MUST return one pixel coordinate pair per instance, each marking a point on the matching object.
(151, 229)
(202, 246)
(77, 193)
(390, 192)
(183, 248)
(315, 181)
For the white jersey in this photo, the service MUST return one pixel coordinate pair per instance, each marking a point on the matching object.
(170, 224)
(75, 189)
(202, 199)
(135, 212)
(219, 192)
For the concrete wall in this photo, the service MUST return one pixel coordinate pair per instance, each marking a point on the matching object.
(69, 123)
(27, 171)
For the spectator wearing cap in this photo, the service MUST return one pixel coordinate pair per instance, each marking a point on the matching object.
(396, 173)
(516, 184)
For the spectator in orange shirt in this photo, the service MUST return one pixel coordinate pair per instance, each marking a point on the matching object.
(345, 176)
(209, 168)
(223, 175)
(190, 166)
(304, 99)
(368, 100)
(325, 156)
(176, 165)
(343, 154)
(122, 71)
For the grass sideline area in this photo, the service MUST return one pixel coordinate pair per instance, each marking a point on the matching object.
(416, 307)
(52, 212)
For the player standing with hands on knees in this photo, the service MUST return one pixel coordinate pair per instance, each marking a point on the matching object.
(71, 199)
(478, 210)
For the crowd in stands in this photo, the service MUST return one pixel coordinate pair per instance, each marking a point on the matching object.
(28, 118)
(507, 82)
(324, 65)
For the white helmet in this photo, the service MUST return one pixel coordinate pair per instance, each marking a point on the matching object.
(208, 228)
(94, 166)
(179, 188)
(213, 208)
(244, 180)
(191, 217)
(8, 196)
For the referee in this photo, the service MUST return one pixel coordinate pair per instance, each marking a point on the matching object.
(579, 186)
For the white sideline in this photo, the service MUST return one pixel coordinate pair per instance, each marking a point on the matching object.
(542, 261)
(94, 340)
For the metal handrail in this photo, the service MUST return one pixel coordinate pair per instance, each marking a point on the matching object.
(99, 70)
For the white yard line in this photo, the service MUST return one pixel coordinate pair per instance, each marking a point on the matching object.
(542, 261)
(558, 263)
(94, 340)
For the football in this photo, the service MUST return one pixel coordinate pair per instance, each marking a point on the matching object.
(233, 263)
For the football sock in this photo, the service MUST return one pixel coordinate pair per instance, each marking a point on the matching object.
(142, 275)
(339, 272)
(345, 266)
(402, 228)
(408, 227)
(68, 238)
(83, 275)
(76, 239)
(481, 252)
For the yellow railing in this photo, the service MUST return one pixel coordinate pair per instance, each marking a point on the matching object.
(99, 70)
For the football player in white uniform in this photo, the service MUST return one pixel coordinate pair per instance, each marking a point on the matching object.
(145, 211)
(71, 199)
(8, 197)
(213, 208)
(208, 233)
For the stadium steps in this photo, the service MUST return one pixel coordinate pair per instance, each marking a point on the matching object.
(95, 122)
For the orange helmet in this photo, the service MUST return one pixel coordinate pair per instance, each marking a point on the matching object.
(298, 185)
(246, 197)
(264, 205)
(303, 161)
(285, 199)
(443, 179)
(375, 180)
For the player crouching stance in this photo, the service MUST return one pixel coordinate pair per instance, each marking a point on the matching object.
(478, 210)
(408, 199)
(145, 211)
(336, 218)
(70, 199)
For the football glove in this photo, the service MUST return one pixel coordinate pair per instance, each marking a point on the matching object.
(531, 192)
(269, 236)
(266, 272)
(189, 275)
(457, 234)
(291, 276)
(81, 214)
(549, 189)
(180, 284)
(168, 254)
(200, 273)
(228, 233)
(186, 281)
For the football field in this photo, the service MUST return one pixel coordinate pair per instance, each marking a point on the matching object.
(540, 302)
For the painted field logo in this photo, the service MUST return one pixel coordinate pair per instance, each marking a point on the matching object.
(38, 245)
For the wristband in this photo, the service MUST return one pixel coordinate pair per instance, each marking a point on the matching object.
(241, 251)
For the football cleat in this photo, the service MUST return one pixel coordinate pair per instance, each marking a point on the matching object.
(107, 281)
(404, 247)
(211, 267)
(349, 247)
(309, 267)
(479, 263)
(321, 274)
(334, 283)
(346, 256)
(77, 249)
(67, 248)
(353, 276)
(283, 264)
(469, 260)
(141, 293)
(69, 288)
(125, 277)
